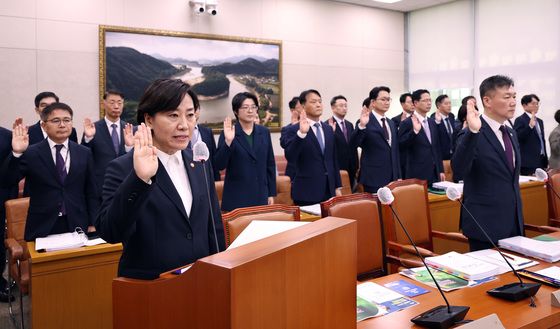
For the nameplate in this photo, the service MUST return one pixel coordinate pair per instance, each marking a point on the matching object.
(488, 322)
(555, 298)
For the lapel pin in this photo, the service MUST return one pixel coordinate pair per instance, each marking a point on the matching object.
(192, 165)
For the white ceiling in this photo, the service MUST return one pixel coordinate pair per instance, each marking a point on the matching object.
(403, 5)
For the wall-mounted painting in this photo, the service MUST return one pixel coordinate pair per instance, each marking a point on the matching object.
(218, 67)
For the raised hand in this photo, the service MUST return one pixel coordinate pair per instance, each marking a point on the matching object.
(145, 157)
(364, 116)
(533, 120)
(438, 117)
(473, 118)
(416, 124)
(128, 135)
(303, 123)
(332, 123)
(229, 131)
(20, 137)
(295, 117)
(89, 128)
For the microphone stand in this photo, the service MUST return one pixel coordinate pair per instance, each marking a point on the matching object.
(210, 206)
(440, 316)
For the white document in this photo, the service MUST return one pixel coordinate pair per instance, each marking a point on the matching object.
(524, 179)
(551, 272)
(61, 241)
(493, 257)
(549, 251)
(445, 184)
(314, 209)
(260, 229)
(94, 242)
(462, 266)
(376, 293)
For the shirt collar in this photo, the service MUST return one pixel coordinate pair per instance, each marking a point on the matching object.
(443, 116)
(109, 123)
(52, 143)
(494, 125)
(377, 116)
(165, 158)
(312, 123)
(420, 117)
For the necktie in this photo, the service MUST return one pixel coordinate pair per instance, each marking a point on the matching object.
(115, 138)
(448, 127)
(343, 127)
(61, 170)
(508, 146)
(178, 175)
(426, 126)
(539, 133)
(320, 136)
(385, 131)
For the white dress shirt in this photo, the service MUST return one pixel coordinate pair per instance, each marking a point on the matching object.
(176, 170)
(495, 126)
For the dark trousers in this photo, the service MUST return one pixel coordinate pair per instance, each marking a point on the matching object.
(61, 226)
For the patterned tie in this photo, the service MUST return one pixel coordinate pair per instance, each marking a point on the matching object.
(344, 132)
(385, 130)
(61, 170)
(115, 138)
(320, 136)
(508, 147)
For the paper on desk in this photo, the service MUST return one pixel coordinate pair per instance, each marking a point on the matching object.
(94, 242)
(260, 229)
(61, 241)
(314, 209)
(551, 272)
(493, 257)
(524, 179)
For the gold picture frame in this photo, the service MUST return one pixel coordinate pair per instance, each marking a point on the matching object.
(217, 66)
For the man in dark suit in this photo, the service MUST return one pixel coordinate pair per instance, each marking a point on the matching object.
(445, 121)
(155, 198)
(347, 154)
(488, 158)
(530, 132)
(311, 147)
(6, 193)
(418, 137)
(36, 132)
(407, 109)
(109, 137)
(59, 175)
(377, 136)
(295, 110)
(206, 135)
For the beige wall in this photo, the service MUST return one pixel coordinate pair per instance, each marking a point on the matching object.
(334, 47)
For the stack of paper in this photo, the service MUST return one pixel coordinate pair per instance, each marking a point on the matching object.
(493, 257)
(61, 241)
(375, 300)
(445, 184)
(260, 229)
(463, 266)
(549, 251)
(314, 209)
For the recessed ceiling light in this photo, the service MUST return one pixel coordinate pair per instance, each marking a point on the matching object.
(387, 1)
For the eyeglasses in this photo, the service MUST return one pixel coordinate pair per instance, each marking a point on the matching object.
(251, 107)
(58, 121)
(388, 100)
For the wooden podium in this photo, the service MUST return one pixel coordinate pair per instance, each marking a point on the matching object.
(301, 278)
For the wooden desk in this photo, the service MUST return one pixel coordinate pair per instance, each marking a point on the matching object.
(72, 288)
(445, 214)
(512, 314)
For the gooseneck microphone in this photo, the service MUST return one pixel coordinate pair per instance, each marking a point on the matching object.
(201, 154)
(512, 291)
(443, 316)
(542, 176)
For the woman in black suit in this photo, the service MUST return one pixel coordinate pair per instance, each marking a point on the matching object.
(245, 151)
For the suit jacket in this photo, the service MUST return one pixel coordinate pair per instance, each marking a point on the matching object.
(423, 159)
(11, 192)
(446, 142)
(317, 174)
(346, 152)
(208, 138)
(554, 140)
(46, 192)
(284, 141)
(397, 120)
(150, 219)
(380, 162)
(101, 147)
(491, 190)
(530, 142)
(250, 171)
(36, 134)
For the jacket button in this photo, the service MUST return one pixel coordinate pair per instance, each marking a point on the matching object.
(189, 236)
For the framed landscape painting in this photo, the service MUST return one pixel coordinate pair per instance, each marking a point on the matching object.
(218, 67)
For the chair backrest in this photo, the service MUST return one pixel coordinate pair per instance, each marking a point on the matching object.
(345, 181)
(411, 204)
(16, 217)
(219, 190)
(237, 220)
(447, 170)
(283, 191)
(281, 164)
(553, 200)
(364, 209)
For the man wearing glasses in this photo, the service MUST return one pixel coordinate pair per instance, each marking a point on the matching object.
(36, 132)
(59, 176)
(418, 137)
(377, 136)
(109, 137)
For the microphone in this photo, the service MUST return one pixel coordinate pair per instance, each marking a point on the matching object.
(201, 154)
(512, 291)
(542, 176)
(443, 316)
